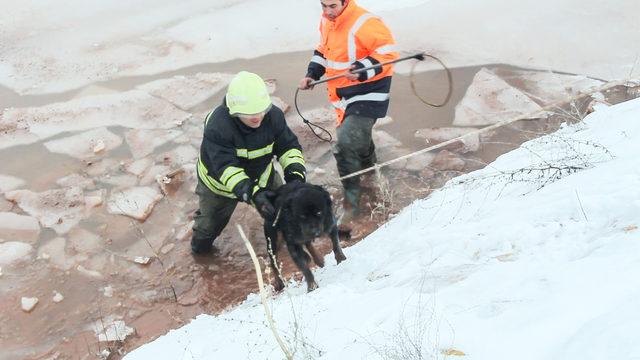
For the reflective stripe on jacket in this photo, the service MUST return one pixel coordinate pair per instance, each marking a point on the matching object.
(355, 37)
(232, 152)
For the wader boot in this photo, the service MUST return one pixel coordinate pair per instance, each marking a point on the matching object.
(210, 219)
(350, 210)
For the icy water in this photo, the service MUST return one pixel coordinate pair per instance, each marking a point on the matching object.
(174, 287)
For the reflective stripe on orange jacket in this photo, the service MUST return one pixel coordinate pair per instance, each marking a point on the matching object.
(355, 37)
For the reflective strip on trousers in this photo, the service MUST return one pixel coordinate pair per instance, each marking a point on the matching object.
(342, 104)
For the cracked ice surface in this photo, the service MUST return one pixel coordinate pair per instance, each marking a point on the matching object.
(18, 227)
(548, 87)
(186, 92)
(110, 329)
(437, 135)
(131, 109)
(135, 202)
(85, 145)
(489, 100)
(13, 251)
(388, 147)
(142, 142)
(59, 209)
(9, 183)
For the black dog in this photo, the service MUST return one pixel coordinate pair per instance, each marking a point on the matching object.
(303, 212)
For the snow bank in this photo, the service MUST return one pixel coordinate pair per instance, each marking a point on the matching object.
(543, 261)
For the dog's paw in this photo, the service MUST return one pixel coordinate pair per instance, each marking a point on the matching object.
(340, 257)
(278, 285)
(312, 286)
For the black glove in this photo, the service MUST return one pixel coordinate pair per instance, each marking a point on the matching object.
(294, 172)
(263, 201)
(243, 191)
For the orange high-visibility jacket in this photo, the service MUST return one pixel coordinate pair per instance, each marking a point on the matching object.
(355, 37)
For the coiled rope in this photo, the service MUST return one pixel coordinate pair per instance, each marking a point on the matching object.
(420, 57)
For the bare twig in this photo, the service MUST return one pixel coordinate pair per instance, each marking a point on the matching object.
(263, 294)
(581, 207)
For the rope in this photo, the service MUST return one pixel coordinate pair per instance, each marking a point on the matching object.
(309, 123)
(449, 80)
(533, 114)
(419, 57)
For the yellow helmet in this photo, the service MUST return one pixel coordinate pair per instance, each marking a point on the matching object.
(247, 94)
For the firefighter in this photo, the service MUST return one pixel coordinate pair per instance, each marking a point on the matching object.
(353, 38)
(241, 138)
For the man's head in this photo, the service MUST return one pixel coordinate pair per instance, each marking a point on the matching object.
(333, 8)
(248, 98)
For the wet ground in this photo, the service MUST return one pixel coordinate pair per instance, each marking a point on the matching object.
(174, 287)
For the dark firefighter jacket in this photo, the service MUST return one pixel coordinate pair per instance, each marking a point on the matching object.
(232, 153)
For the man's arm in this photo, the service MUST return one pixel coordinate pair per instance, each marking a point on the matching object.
(288, 150)
(223, 165)
(378, 42)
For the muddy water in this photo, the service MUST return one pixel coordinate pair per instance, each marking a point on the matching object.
(174, 287)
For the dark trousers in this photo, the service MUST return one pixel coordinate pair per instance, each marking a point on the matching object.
(213, 215)
(354, 151)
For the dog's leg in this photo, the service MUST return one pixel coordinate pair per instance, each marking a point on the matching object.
(298, 256)
(271, 234)
(317, 258)
(337, 250)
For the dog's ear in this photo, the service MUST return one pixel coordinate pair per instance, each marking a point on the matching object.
(327, 198)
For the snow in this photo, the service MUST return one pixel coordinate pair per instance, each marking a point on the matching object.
(502, 262)
(116, 40)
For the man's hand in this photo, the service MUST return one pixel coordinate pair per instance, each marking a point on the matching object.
(304, 84)
(352, 76)
(263, 200)
(243, 191)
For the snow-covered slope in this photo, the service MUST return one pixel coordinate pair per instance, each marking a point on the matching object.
(512, 261)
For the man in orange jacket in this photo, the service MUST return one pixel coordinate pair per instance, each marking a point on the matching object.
(353, 38)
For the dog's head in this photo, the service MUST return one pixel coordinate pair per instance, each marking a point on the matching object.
(310, 208)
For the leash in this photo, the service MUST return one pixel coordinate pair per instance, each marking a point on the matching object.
(419, 57)
(533, 114)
